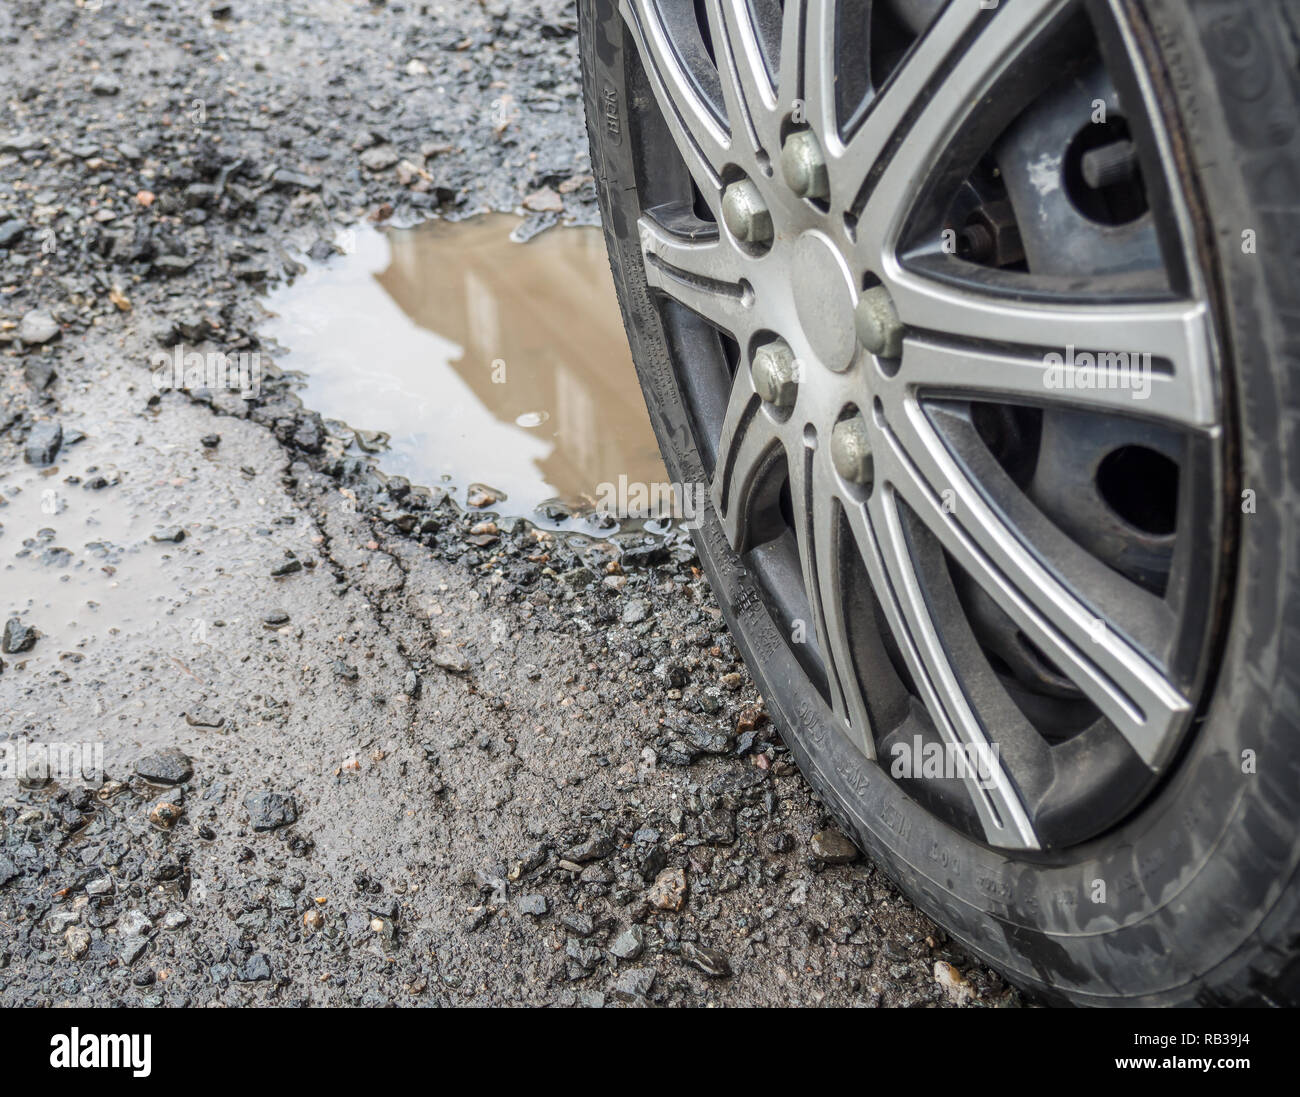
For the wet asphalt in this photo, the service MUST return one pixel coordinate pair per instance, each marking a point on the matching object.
(361, 746)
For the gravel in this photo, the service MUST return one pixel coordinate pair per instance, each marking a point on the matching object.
(18, 637)
(168, 766)
(270, 810)
(37, 326)
(43, 442)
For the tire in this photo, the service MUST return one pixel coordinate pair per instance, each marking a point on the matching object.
(1184, 890)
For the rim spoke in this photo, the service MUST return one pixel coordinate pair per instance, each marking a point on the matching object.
(819, 68)
(816, 534)
(790, 78)
(884, 548)
(702, 142)
(851, 161)
(1111, 672)
(1150, 359)
(746, 89)
(950, 96)
(750, 444)
(702, 272)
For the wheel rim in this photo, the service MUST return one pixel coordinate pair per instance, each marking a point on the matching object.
(882, 281)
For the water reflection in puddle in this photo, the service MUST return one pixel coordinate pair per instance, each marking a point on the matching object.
(485, 361)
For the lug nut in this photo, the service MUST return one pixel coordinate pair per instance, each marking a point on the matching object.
(879, 328)
(745, 213)
(803, 166)
(976, 244)
(851, 451)
(775, 374)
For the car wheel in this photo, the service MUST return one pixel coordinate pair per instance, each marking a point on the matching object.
(970, 318)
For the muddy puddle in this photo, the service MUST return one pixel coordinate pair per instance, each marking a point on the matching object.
(85, 568)
(470, 360)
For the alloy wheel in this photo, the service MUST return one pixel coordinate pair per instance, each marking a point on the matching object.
(930, 276)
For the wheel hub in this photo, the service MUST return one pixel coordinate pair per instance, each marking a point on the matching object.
(824, 299)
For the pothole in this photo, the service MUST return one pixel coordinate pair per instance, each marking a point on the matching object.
(482, 361)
